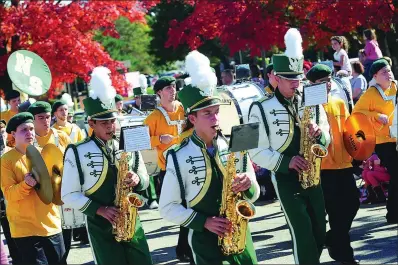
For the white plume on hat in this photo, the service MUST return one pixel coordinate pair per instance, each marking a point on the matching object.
(101, 86)
(202, 76)
(68, 99)
(143, 81)
(293, 42)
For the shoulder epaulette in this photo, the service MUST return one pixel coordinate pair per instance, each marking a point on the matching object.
(182, 144)
(266, 97)
(86, 140)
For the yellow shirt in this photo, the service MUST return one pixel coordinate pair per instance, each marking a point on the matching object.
(79, 135)
(63, 139)
(26, 213)
(158, 126)
(338, 157)
(372, 105)
(7, 115)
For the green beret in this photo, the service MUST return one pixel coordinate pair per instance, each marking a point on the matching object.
(18, 119)
(377, 66)
(12, 94)
(318, 71)
(58, 104)
(39, 107)
(163, 82)
(118, 98)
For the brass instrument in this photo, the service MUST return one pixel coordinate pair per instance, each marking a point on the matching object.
(128, 203)
(237, 210)
(312, 153)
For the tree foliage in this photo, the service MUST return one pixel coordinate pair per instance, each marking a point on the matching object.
(63, 35)
(132, 44)
(259, 24)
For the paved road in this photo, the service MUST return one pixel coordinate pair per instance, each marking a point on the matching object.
(374, 241)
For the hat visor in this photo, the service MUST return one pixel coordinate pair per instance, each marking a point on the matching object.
(105, 116)
(214, 101)
(292, 77)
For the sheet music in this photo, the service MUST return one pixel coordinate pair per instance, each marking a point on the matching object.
(136, 138)
(316, 94)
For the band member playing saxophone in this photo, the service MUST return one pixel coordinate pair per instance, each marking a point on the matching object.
(282, 134)
(94, 168)
(193, 186)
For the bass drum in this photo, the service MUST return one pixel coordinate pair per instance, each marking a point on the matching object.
(240, 97)
(150, 157)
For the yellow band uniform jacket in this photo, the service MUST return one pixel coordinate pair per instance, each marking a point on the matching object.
(375, 102)
(338, 157)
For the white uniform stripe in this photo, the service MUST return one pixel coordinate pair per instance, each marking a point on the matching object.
(295, 254)
(89, 240)
(190, 233)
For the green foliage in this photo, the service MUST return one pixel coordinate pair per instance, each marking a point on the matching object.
(132, 45)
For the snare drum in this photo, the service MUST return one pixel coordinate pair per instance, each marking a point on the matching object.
(71, 218)
(241, 97)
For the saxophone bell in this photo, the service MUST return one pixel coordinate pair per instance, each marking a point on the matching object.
(245, 209)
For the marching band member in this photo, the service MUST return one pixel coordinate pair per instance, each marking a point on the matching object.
(337, 175)
(378, 103)
(195, 176)
(35, 226)
(165, 124)
(41, 112)
(270, 89)
(4, 136)
(60, 111)
(13, 98)
(92, 168)
(119, 104)
(279, 147)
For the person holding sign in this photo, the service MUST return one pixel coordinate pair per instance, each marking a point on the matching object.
(35, 226)
(378, 103)
(337, 174)
(165, 124)
(92, 167)
(280, 116)
(192, 188)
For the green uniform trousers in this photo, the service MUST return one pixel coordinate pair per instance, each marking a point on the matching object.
(305, 215)
(206, 250)
(107, 250)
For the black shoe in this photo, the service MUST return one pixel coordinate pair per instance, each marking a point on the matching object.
(183, 258)
(351, 262)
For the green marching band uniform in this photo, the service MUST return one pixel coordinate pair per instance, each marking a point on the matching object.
(279, 142)
(192, 186)
(90, 178)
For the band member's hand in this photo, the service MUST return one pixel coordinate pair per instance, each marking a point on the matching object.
(298, 163)
(166, 138)
(30, 180)
(242, 182)
(314, 130)
(383, 119)
(110, 213)
(132, 179)
(218, 225)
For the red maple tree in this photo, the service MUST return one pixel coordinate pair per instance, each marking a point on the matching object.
(62, 35)
(259, 24)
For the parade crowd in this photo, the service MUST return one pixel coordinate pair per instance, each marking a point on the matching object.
(193, 158)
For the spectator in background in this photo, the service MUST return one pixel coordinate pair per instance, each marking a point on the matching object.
(362, 56)
(256, 75)
(374, 174)
(372, 51)
(3, 254)
(358, 81)
(341, 60)
(228, 77)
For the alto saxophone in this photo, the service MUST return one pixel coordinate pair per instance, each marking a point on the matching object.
(237, 210)
(312, 153)
(128, 203)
